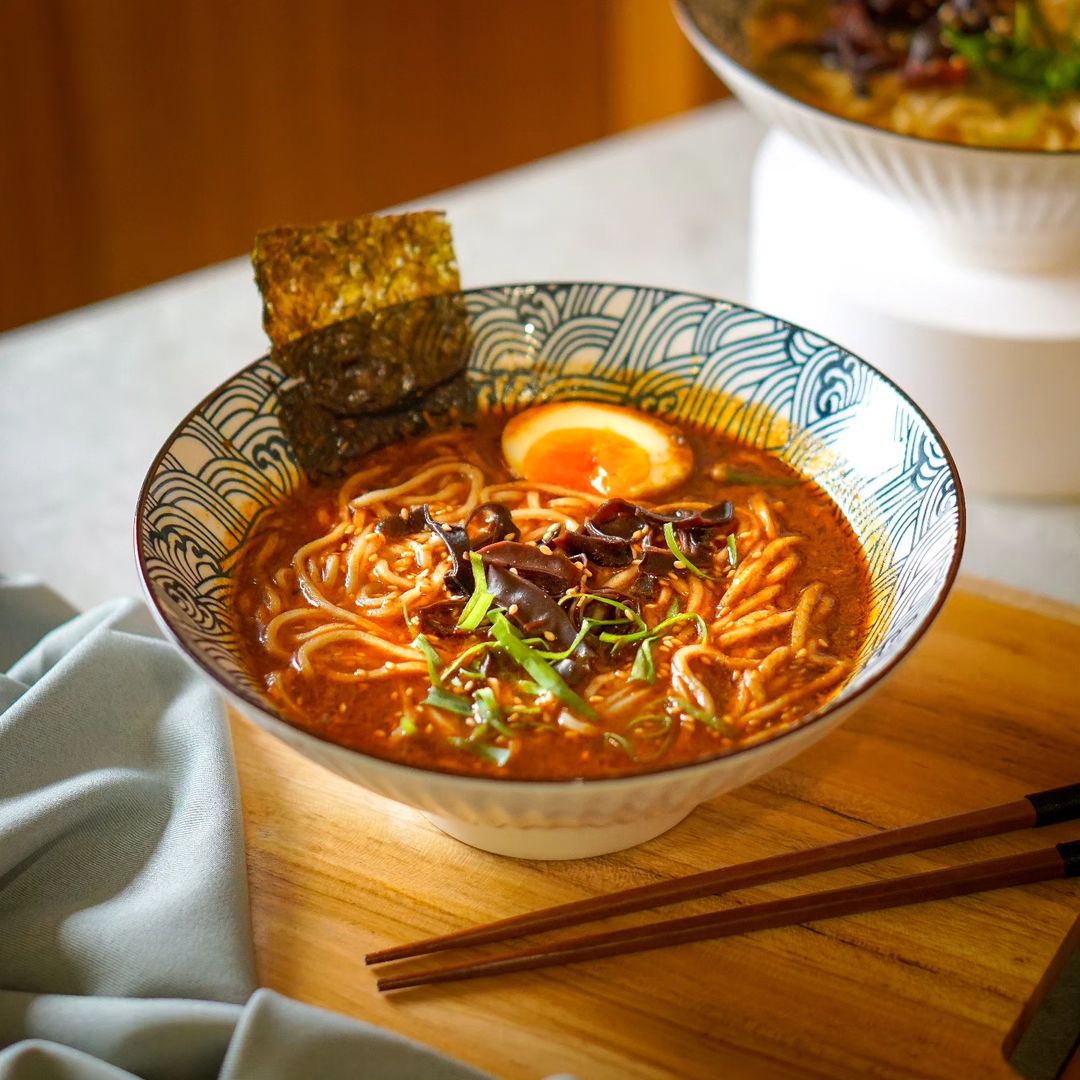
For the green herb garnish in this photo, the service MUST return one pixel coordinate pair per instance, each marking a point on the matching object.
(455, 666)
(434, 662)
(692, 710)
(644, 669)
(623, 743)
(488, 713)
(481, 599)
(619, 640)
(444, 699)
(732, 550)
(680, 558)
(629, 614)
(541, 672)
(497, 755)
(695, 712)
(586, 626)
(406, 725)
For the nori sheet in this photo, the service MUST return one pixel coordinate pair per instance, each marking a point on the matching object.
(366, 319)
(312, 276)
(327, 444)
(372, 362)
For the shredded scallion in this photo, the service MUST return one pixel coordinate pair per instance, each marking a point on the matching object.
(481, 599)
(619, 640)
(623, 743)
(542, 673)
(444, 699)
(644, 669)
(431, 656)
(680, 557)
(629, 614)
(497, 755)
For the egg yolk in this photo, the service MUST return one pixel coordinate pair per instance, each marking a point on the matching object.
(587, 458)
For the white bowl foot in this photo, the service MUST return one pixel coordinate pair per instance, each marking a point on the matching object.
(573, 842)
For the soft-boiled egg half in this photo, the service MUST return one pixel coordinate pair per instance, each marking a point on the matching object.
(618, 452)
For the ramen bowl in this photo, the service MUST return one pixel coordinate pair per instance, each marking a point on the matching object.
(688, 358)
(1016, 210)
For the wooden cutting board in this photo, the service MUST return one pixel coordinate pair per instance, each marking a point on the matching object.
(987, 710)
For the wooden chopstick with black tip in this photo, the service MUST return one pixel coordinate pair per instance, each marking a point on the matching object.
(1047, 863)
(1032, 811)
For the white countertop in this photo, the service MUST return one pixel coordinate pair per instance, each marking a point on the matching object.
(87, 398)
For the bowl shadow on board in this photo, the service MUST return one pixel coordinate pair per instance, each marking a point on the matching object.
(689, 358)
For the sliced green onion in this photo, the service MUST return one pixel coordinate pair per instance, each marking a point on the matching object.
(545, 676)
(443, 699)
(406, 725)
(631, 614)
(664, 736)
(619, 640)
(675, 607)
(431, 656)
(456, 665)
(586, 626)
(703, 717)
(732, 550)
(487, 711)
(527, 686)
(692, 710)
(481, 599)
(639, 722)
(615, 739)
(673, 547)
(497, 755)
(644, 669)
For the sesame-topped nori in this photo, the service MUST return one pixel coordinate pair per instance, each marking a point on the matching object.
(365, 368)
(312, 276)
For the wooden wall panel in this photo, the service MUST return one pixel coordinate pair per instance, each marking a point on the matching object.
(139, 140)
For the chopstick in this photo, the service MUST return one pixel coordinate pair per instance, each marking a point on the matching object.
(1060, 861)
(1032, 811)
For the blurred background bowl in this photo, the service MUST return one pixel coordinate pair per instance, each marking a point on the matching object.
(686, 357)
(999, 209)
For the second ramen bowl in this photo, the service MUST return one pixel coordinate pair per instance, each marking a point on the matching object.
(686, 357)
(1000, 209)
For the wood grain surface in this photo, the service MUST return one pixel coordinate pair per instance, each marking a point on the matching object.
(987, 710)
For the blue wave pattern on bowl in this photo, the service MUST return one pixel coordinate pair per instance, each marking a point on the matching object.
(690, 358)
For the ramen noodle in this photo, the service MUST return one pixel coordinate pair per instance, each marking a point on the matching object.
(438, 609)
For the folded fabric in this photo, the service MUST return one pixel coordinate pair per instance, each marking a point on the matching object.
(125, 942)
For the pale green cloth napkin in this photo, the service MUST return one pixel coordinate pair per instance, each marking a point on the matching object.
(125, 944)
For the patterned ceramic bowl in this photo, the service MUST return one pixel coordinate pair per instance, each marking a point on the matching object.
(824, 411)
(995, 208)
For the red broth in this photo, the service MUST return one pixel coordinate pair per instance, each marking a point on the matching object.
(331, 602)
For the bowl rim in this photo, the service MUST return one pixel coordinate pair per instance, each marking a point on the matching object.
(701, 41)
(491, 783)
